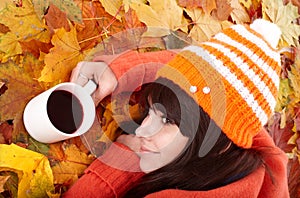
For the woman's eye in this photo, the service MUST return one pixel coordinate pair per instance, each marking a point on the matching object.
(166, 120)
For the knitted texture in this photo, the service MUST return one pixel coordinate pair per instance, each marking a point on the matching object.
(234, 77)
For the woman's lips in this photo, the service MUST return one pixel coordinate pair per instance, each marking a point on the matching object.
(145, 149)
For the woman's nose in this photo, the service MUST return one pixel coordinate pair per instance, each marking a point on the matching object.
(149, 127)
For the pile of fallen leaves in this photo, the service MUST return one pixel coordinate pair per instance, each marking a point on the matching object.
(41, 41)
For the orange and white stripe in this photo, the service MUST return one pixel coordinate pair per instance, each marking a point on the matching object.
(239, 86)
(252, 56)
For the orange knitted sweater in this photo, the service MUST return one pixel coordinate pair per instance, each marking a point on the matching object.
(118, 169)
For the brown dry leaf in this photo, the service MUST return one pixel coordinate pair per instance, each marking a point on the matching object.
(209, 5)
(293, 171)
(239, 14)
(6, 133)
(62, 58)
(3, 29)
(35, 47)
(97, 25)
(131, 20)
(72, 11)
(21, 88)
(294, 2)
(190, 3)
(128, 39)
(204, 25)
(70, 162)
(223, 10)
(3, 180)
(56, 19)
(280, 135)
(284, 16)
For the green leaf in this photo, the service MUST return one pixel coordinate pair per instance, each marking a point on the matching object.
(38, 147)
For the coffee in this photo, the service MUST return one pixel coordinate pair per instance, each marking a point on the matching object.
(64, 111)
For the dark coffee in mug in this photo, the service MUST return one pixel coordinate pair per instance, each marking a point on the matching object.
(64, 111)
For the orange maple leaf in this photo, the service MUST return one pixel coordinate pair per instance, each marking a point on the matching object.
(62, 58)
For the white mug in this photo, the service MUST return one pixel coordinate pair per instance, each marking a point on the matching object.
(64, 111)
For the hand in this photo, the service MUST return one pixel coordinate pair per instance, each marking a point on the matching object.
(132, 141)
(100, 73)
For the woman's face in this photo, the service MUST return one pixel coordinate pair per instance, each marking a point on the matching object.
(161, 141)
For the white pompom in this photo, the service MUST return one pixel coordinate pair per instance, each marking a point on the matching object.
(270, 31)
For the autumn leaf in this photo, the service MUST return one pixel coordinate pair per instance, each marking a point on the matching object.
(206, 5)
(204, 25)
(97, 25)
(293, 171)
(113, 7)
(24, 23)
(38, 146)
(222, 11)
(69, 162)
(33, 169)
(35, 47)
(72, 11)
(248, 4)
(239, 14)
(9, 45)
(3, 180)
(21, 88)
(56, 19)
(280, 135)
(284, 16)
(190, 3)
(6, 133)
(63, 57)
(160, 17)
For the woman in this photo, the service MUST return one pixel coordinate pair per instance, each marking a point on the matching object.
(203, 134)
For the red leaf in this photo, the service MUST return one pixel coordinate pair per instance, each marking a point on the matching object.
(56, 19)
(35, 47)
(281, 136)
(293, 171)
(6, 133)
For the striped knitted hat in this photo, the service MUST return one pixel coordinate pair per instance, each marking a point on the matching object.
(234, 77)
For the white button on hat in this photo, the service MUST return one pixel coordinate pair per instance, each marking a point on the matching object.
(193, 89)
(206, 90)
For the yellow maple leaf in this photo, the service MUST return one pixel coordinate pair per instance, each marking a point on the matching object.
(23, 22)
(33, 169)
(239, 13)
(284, 16)
(5, 3)
(160, 16)
(112, 7)
(204, 25)
(115, 7)
(63, 57)
(71, 163)
(10, 45)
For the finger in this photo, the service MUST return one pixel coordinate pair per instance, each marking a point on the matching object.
(77, 76)
(83, 72)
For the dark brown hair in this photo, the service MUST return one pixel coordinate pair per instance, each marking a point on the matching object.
(223, 164)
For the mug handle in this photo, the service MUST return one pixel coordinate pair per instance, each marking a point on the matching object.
(90, 86)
